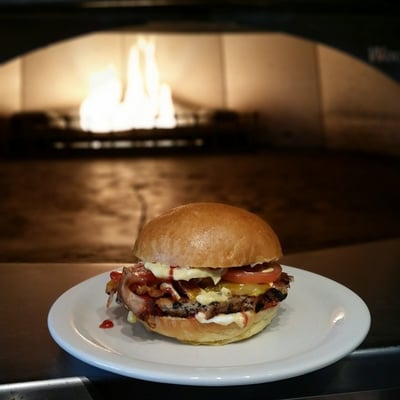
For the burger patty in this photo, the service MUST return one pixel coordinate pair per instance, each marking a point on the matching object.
(145, 295)
(185, 308)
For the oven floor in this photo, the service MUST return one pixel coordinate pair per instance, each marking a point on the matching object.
(89, 209)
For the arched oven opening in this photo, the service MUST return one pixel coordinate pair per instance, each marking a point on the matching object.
(84, 76)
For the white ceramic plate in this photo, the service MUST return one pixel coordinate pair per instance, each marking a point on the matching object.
(320, 322)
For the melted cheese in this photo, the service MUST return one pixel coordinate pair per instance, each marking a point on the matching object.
(131, 317)
(224, 290)
(164, 271)
(206, 297)
(245, 289)
(239, 318)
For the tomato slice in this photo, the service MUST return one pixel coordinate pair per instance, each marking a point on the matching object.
(262, 273)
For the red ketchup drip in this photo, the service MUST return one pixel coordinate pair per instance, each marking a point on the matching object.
(106, 324)
(115, 276)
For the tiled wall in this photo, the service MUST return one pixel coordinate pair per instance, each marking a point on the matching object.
(361, 106)
(277, 76)
(307, 94)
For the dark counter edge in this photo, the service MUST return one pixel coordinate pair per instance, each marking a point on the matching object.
(364, 373)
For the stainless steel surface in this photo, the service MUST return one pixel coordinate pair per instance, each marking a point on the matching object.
(53, 389)
(386, 394)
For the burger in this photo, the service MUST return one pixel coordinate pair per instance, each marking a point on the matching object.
(205, 273)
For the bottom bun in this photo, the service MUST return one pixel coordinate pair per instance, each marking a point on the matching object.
(194, 332)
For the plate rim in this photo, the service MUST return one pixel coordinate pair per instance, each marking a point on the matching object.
(162, 374)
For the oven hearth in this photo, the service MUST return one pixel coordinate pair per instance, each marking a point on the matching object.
(38, 133)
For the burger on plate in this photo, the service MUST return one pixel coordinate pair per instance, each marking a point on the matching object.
(206, 273)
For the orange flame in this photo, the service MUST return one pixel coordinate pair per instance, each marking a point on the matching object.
(146, 103)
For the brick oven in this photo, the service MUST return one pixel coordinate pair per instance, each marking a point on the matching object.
(301, 74)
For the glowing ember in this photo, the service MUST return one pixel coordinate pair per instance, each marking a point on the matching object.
(146, 103)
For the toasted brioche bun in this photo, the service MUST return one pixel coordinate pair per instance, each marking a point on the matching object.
(189, 330)
(207, 235)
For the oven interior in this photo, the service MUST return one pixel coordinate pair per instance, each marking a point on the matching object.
(241, 75)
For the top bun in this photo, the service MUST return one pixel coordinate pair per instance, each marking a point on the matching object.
(207, 235)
